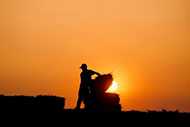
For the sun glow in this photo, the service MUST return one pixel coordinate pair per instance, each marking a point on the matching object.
(113, 88)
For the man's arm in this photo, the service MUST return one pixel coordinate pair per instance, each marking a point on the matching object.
(94, 72)
(97, 73)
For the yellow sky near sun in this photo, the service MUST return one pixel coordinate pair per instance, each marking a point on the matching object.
(144, 43)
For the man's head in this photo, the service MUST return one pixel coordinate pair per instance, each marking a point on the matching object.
(84, 67)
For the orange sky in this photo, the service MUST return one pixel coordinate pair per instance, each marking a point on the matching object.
(144, 43)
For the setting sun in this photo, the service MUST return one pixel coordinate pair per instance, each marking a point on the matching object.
(113, 88)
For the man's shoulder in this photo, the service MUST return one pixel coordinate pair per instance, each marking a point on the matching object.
(91, 71)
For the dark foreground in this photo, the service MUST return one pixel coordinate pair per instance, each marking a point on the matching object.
(158, 116)
(82, 117)
(50, 110)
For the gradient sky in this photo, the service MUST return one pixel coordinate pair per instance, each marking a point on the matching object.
(144, 43)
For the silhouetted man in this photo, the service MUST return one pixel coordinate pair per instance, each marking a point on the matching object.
(85, 83)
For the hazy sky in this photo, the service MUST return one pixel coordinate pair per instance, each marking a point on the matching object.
(144, 43)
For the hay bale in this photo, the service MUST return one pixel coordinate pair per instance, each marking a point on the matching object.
(99, 100)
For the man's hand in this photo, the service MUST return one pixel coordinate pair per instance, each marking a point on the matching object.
(98, 74)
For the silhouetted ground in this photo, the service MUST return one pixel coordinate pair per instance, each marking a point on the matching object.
(47, 109)
(127, 118)
(71, 117)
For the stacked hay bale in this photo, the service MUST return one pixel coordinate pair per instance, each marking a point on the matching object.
(31, 104)
(98, 99)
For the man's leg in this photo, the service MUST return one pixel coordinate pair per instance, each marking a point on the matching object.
(79, 101)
